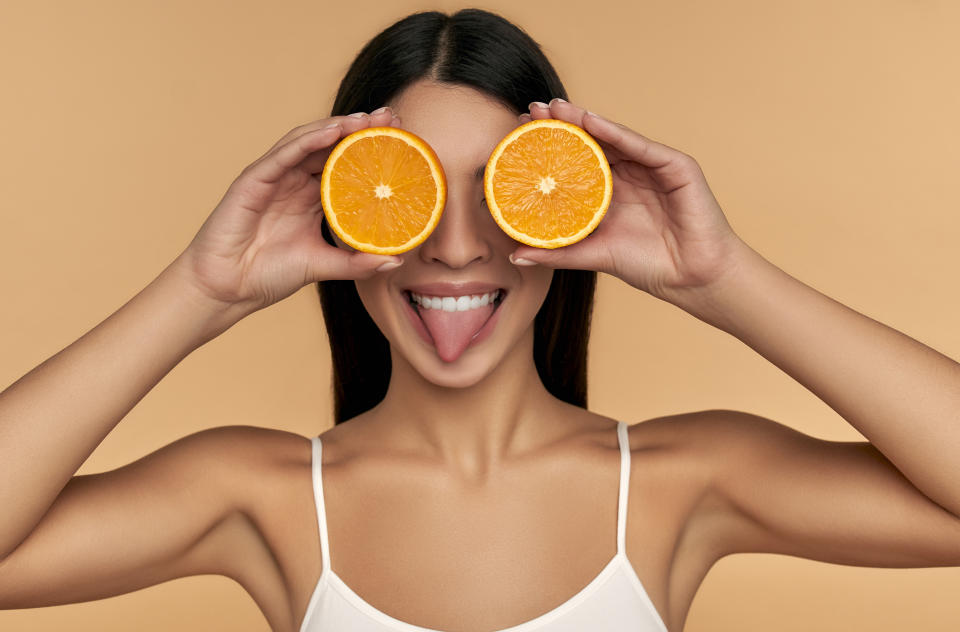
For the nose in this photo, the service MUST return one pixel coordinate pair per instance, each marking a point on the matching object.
(459, 238)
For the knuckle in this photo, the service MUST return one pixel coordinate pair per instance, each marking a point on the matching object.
(689, 161)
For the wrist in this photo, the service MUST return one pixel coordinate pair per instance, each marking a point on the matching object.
(210, 316)
(716, 302)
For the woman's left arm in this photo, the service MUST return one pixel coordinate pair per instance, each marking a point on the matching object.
(899, 393)
(665, 234)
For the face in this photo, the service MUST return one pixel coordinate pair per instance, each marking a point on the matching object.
(463, 126)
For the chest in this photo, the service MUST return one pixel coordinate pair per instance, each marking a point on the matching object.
(441, 554)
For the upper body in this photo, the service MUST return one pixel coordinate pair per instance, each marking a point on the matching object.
(238, 501)
(472, 498)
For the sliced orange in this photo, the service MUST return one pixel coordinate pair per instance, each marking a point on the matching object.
(383, 190)
(548, 183)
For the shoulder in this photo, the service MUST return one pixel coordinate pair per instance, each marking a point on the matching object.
(254, 445)
(703, 447)
(246, 460)
(708, 436)
(678, 513)
(683, 464)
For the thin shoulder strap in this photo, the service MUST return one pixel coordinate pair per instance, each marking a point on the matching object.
(624, 441)
(321, 509)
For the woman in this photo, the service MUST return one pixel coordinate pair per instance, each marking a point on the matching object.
(483, 480)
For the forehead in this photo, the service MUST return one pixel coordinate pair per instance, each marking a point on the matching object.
(461, 124)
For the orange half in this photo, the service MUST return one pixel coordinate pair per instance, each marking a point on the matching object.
(383, 190)
(548, 183)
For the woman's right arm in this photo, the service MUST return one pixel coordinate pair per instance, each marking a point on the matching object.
(260, 244)
(54, 417)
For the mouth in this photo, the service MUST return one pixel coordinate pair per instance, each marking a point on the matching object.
(418, 302)
(458, 316)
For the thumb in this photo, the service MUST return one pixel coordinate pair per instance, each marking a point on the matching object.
(327, 264)
(566, 257)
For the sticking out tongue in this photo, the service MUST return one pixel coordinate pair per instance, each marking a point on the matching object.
(453, 331)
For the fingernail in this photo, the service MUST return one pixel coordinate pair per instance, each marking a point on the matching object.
(332, 125)
(379, 110)
(557, 100)
(357, 115)
(538, 104)
(520, 261)
(389, 265)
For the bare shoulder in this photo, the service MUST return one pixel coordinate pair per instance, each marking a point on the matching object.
(779, 490)
(674, 513)
(275, 546)
(191, 507)
(254, 455)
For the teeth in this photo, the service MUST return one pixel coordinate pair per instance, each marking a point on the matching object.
(454, 303)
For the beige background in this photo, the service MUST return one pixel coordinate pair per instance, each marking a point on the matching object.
(828, 131)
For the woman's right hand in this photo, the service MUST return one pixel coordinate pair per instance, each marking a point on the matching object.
(262, 242)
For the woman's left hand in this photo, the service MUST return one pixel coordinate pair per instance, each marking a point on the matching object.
(664, 232)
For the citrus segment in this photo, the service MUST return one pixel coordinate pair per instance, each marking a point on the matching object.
(383, 190)
(548, 183)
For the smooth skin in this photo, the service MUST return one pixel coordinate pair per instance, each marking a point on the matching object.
(237, 501)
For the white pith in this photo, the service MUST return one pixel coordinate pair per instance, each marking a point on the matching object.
(454, 303)
(546, 185)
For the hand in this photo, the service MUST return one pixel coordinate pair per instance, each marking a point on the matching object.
(262, 242)
(663, 232)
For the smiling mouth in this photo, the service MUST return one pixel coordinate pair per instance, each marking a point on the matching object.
(454, 303)
(451, 324)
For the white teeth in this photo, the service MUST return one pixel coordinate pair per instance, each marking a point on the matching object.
(455, 303)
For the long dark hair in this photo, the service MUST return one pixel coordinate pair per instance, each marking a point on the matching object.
(484, 51)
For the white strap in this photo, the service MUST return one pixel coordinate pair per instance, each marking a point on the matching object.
(318, 500)
(624, 441)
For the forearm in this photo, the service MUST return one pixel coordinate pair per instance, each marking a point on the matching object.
(900, 394)
(54, 417)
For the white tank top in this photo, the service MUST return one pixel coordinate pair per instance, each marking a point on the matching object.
(613, 601)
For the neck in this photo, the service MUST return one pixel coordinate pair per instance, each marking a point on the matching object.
(473, 428)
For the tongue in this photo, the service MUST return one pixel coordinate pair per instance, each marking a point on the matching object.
(453, 331)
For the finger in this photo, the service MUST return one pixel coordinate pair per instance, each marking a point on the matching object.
(629, 143)
(582, 255)
(300, 130)
(380, 116)
(539, 110)
(271, 168)
(566, 111)
(282, 155)
(324, 262)
(559, 109)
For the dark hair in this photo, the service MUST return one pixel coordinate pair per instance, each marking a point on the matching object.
(482, 50)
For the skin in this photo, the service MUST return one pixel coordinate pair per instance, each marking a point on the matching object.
(469, 477)
(473, 412)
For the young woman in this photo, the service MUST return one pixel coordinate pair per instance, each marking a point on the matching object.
(475, 493)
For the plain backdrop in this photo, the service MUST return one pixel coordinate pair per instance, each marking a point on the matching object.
(827, 130)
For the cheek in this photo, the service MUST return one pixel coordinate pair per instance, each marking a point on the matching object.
(375, 298)
(537, 279)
